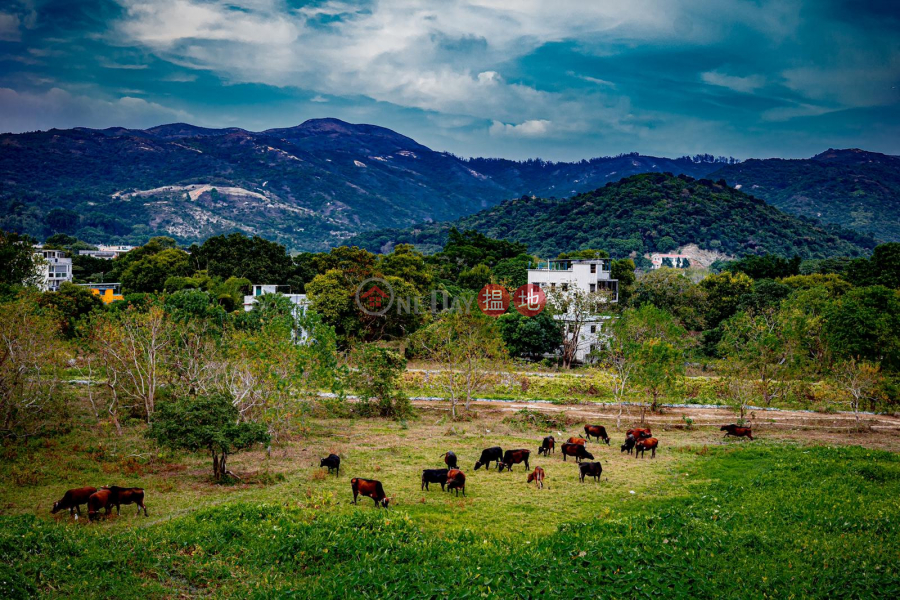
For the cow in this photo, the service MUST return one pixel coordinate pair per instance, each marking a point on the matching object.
(450, 459)
(737, 431)
(576, 440)
(434, 476)
(99, 500)
(487, 456)
(639, 433)
(597, 431)
(514, 457)
(370, 488)
(537, 476)
(333, 462)
(72, 499)
(590, 469)
(628, 446)
(547, 446)
(646, 444)
(456, 480)
(576, 450)
(120, 495)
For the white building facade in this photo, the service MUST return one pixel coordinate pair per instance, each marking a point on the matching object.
(299, 301)
(53, 267)
(106, 252)
(590, 276)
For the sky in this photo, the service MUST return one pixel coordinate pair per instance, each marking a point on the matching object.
(559, 80)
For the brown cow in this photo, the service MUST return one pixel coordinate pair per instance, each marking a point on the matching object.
(597, 431)
(576, 450)
(514, 457)
(737, 431)
(646, 444)
(450, 459)
(537, 476)
(99, 500)
(639, 433)
(72, 499)
(576, 440)
(547, 446)
(456, 480)
(370, 488)
(121, 495)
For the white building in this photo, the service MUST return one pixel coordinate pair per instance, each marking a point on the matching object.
(106, 252)
(299, 301)
(589, 276)
(675, 261)
(53, 267)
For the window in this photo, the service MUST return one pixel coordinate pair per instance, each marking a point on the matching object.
(593, 329)
(552, 286)
(593, 268)
(593, 287)
(565, 287)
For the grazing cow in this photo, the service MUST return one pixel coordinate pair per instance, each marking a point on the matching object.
(590, 469)
(547, 446)
(333, 462)
(370, 488)
(487, 456)
(119, 496)
(434, 476)
(639, 433)
(450, 459)
(514, 457)
(99, 500)
(597, 431)
(646, 444)
(72, 499)
(576, 450)
(537, 476)
(576, 440)
(456, 480)
(737, 431)
(628, 446)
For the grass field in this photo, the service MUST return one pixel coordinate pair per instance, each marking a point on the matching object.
(706, 518)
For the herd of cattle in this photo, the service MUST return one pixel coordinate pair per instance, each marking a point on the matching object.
(637, 440)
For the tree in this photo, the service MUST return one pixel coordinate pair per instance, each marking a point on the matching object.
(513, 272)
(530, 337)
(409, 265)
(17, 262)
(149, 274)
(574, 308)
(622, 270)
(666, 244)
(73, 304)
(860, 380)
(377, 376)
(236, 255)
(468, 346)
(723, 295)
(31, 361)
(863, 324)
(883, 268)
(475, 278)
(756, 342)
(660, 369)
(769, 266)
(670, 290)
(206, 423)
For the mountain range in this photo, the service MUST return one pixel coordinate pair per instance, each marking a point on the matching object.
(318, 184)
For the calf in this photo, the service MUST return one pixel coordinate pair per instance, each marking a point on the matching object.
(119, 496)
(628, 446)
(450, 459)
(434, 476)
(514, 457)
(456, 480)
(597, 431)
(489, 455)
(72, 499)
(537, 476)
(737, 431)
(333, 462)
(576, 450)
(590, 469)
(370, 488)
(547, 446)
(646, 444)
(97, 501)
(576, 440)
(639, 433)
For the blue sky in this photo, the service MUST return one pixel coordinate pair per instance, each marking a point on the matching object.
(557, 79)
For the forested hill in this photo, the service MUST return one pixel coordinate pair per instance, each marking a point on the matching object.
(308, 187)
(643, 213)
(853, 188)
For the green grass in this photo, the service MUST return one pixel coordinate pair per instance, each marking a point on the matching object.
(707, 518)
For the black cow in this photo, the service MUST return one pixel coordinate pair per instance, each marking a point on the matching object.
(514, 457)
(576, 450)
(628, 446)
(489, 455)
(450, 459)
(434, 476)
(333, 462)
(590, 469)
(547, 446)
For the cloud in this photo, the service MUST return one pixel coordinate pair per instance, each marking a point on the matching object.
(533, 128)
(745, 85)
(318, 98)
(23, 111)
(9, 28)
